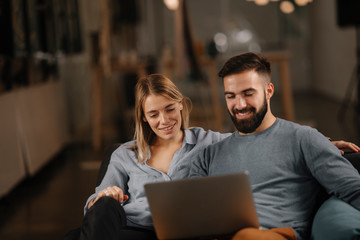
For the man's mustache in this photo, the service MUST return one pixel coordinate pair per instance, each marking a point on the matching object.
(251, 109)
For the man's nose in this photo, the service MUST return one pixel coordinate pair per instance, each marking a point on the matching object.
(240, 102)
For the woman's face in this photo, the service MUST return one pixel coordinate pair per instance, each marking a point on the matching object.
(163, 116)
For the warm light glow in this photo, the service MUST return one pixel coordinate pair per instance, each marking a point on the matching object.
(287, 7)
(254, 47)
(261, 2)
(221, 42)
(243, 36)
(172, 4)
(301, 2)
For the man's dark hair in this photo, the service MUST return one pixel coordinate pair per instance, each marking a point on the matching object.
(245, 62)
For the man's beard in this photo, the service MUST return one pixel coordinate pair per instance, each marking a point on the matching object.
(250, 124)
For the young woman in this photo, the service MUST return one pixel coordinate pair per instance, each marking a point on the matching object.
(161, 150)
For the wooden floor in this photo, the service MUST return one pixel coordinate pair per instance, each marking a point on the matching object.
(46, 206)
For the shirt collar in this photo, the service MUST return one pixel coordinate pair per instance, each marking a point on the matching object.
(189, 137)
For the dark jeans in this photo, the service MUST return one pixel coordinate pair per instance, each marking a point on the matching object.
(106, 219)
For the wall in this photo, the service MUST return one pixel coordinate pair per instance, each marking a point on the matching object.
(75, 72)
(333, 51)
(12, 163)
(33, 127)
(273, 30)
(36, 122)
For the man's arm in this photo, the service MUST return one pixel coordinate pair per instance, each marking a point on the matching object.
(198, 167)
(335, 173)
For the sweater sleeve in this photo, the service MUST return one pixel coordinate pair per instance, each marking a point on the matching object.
(200, 165)
(334, 172)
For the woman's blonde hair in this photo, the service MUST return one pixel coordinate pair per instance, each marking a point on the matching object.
(155, 84)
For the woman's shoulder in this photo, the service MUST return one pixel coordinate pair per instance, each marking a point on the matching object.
(124, 149)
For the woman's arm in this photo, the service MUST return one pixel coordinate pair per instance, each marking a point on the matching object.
(342, 145)
(114, 181)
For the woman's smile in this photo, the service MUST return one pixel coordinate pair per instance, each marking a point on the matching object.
(168, 129)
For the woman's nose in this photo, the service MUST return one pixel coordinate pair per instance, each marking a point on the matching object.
(164, 118)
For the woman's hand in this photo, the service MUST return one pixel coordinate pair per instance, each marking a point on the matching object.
(342, 145)
(114, 192)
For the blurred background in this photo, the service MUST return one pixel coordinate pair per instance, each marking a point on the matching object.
(68, 69)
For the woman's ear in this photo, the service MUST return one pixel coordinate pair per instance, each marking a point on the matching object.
(144, 119)
(181, 106)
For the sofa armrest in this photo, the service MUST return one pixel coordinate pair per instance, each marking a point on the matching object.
(335, 218)
(354, 159)
(105, 162)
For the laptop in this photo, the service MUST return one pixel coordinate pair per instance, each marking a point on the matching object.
(200, 208)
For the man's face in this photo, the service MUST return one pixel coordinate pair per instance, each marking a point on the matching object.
(246, 100)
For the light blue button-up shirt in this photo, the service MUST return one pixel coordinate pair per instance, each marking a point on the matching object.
(125, 172)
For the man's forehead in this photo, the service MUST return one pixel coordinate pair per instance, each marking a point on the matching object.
(249, 79)
(248, 74)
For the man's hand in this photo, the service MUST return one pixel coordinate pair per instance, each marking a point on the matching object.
(114, 192)
(342, 145)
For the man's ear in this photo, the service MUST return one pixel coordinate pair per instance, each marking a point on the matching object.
(269, 90)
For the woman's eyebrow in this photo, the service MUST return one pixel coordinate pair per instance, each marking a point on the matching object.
(170, 105)
(151, 111)
(154, 111)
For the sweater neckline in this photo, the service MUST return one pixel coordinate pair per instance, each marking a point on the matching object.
(254, 135)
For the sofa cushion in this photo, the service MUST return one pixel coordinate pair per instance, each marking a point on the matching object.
(336, 220)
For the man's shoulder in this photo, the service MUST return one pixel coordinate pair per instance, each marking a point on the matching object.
(223, 142)
(289, 125)
(296, 131)
(200, 134)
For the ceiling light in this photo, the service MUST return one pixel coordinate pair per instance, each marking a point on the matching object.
(287, 7)
(261, 2)
(301, 2)
(172, 4)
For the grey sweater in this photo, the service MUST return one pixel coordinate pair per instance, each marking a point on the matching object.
(287, 163)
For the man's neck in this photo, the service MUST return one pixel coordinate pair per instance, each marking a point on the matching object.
(267, 122)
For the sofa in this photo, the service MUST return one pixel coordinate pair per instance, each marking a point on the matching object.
(334, 219)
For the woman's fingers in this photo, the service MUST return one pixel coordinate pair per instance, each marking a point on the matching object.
(121, 197)
(114, 192)
(342, 145)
